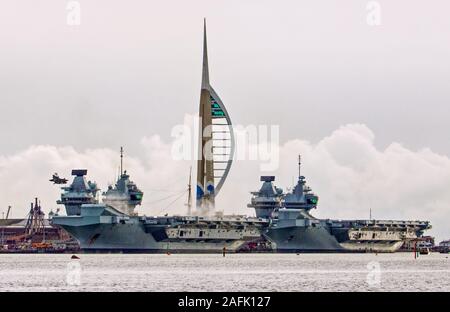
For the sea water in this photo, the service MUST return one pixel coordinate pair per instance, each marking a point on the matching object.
(234, 272)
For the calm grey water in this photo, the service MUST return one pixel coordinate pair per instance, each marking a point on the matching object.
(212, 272)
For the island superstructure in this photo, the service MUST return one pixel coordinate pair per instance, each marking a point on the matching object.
(125, 195)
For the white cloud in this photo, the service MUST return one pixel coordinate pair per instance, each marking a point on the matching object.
(345, 169)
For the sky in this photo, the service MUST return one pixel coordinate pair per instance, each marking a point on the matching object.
(366, 105)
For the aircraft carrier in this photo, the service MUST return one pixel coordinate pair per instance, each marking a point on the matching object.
(111, 227)
(292, 228)
(283, 221)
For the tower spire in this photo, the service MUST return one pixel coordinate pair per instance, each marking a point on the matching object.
(205, 165)
(209, 177)
(205, 69)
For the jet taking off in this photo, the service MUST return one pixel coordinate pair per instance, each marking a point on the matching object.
(57, 180)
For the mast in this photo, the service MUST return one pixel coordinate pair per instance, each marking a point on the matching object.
(121, 161)
(189, 201)
(299, 165)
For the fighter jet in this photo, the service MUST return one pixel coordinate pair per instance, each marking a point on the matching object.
(57, 180)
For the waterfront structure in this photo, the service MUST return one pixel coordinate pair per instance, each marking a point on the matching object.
(444, 246)
(35, 233)
(283, 222)
(418, 242)
(216, 142)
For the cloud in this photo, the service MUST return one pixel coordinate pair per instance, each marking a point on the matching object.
(348, 172)
(25, 175)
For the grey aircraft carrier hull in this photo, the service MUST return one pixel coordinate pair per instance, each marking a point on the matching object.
(100, 228)
(134, 239)
(303, 239)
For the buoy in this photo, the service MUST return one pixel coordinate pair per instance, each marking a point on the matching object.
(74, 257)
(415, 250)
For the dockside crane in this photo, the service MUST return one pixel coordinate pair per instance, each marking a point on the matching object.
(35, 221)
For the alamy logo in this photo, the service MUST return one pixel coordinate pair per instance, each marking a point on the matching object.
(373, 278)
(73, 9)
(252, 142)
(373, 13)
(73, 274)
